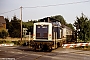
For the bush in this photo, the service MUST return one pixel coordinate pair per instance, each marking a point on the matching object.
(21, 43)
(4, 41)
(16, 42)
(24, 43)
(3, 33)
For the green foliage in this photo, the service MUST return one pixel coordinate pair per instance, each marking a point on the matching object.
(2, 41)
(83, 25)
(60, 18)
(14, 27)
(20, 43)
(29, 25)
(5, 41)
(16, 42)
(62, 21)
(3, 34)
(70, 26)
(7, 23)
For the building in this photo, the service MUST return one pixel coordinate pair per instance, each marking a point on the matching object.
(2, 22)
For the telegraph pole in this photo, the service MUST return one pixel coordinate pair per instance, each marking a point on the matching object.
(21, 20)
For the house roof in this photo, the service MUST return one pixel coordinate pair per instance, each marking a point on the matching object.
(2, 20)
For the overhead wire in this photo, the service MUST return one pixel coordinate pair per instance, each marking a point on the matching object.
(10, 11)
(59, 4)
(49, 5)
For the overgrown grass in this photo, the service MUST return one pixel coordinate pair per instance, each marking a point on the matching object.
(4, 41)
(20, 43)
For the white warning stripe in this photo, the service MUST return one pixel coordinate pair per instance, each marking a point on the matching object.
(75, 45)
(11, 44)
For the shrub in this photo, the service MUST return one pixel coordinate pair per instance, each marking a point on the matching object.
(3, 33)
(16, 42)
(2, 41)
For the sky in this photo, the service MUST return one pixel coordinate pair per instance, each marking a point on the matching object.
(68, 11)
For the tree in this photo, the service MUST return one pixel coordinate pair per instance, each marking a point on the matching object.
(60, 18)
(3, 33)
(70, 26)
(14, 27)
(62, 21)
(29, 25)
(82, 27)
(7, 23)
(88, 30)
